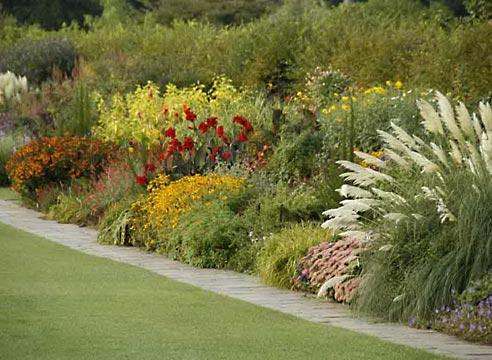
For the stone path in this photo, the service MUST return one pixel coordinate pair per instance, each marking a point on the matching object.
(239, 286)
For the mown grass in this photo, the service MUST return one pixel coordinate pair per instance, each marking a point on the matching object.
(56, 303)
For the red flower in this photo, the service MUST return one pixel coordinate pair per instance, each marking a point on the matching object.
(170, 133)
(241, 120)
(174, 145)
(212, 122)
(203, 128)
(162, 156)
(247, 126)
(189, 115)
(242, 137)
(213, 153)
(149, 167)
(238, 119)
(188, 143)
(226, 155)
(142, 180)
(220, 131)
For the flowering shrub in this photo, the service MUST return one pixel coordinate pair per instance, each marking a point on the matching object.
(204, 145)
(335, 262)
(56, 160)
(168, 200)
(470, 316)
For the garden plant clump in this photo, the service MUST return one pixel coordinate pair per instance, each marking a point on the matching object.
(307, 142)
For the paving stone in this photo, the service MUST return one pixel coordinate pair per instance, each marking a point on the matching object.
(240, 286)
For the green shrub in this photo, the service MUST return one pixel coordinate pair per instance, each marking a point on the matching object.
(114, 227)
(209, 235)
(278, 258)
(279, 205)
(68, 208)
(220, 12)
(36, 59)
(370, 110)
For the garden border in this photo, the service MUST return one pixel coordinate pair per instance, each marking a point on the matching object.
(239, 286)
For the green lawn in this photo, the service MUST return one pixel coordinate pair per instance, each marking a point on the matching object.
(56, 303)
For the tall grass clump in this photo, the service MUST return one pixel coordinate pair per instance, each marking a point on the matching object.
(425, 211)
(278, 259)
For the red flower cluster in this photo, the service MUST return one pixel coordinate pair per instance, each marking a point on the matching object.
(142, 180)
(189, 115)
(207, 143)
(247, 127)
(241, 120)
(208, 124)
(170, 133)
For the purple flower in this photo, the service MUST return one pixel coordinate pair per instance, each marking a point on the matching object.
(462, 326)
(472, 327)
(412, 322)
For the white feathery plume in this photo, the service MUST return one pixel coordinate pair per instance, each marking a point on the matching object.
(389, 196)
(475, 157)
(349, 222)
(392, 142)
(370, 159)
(432, 121)
(486, 151)
(395, 217)
(477, 126)
(426, 165)
(455, 153)
(486, 115)
(470, 165)
(465, 120)
(354, 192)
(361, 175)
(447, 117)
(396, 158)
(339, 212)
(360, 205)
(403, 136)
(439, 152)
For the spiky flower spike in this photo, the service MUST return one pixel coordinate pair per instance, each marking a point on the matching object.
(462, 141)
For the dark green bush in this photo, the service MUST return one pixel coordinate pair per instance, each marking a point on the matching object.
(36, 59)
(280, 205)
(217, 11)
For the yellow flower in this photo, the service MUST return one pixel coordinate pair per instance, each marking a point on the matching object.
(345, 108)
(389, 83)
(324, 111)
(398, 84)
(345, 98)
(131, 149)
